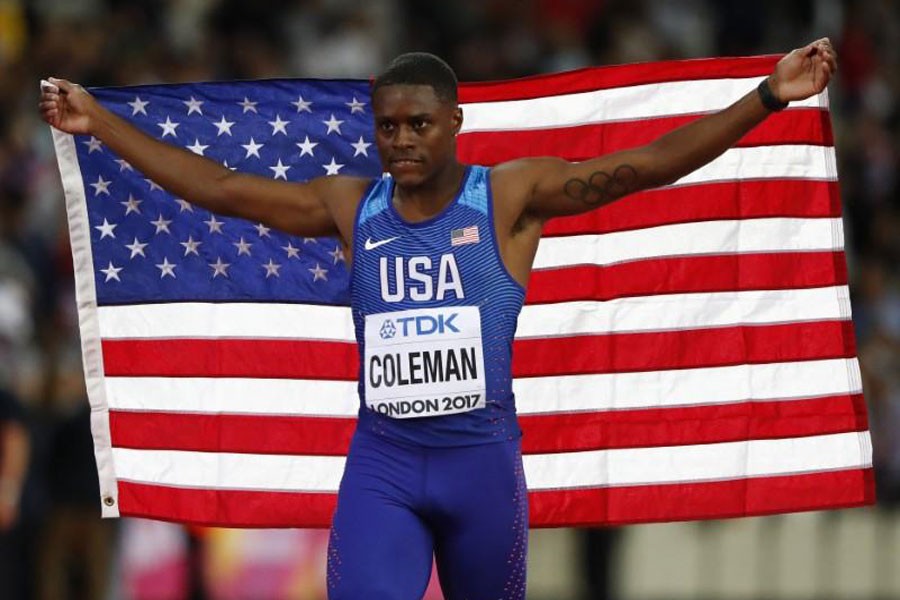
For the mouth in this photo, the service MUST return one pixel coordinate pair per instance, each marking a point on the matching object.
(405, 162)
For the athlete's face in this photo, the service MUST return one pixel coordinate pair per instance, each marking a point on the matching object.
(415, 132)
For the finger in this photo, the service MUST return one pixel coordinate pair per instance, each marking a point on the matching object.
(46, 86)
(48, 105)
(63, 85)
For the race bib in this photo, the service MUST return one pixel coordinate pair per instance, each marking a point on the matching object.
(424, 362)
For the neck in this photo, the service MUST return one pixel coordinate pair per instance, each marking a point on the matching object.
(430, 197)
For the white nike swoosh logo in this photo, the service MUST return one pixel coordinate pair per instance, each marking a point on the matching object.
(370, 245)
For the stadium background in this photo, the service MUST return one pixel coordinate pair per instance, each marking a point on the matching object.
(56, 547)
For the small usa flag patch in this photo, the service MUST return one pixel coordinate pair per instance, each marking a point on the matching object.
(468, 235)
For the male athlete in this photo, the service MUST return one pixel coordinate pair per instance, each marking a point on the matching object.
(441, 253)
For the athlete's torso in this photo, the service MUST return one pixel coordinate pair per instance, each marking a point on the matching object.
(435, 311)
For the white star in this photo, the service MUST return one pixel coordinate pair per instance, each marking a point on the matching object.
(356, 106)
(291, 251)
(278, 125)
(161, 224)
(310, 240)
(166, 268)
(153, 184)
(223, 126)
(102, 186)
(361, 147)
(219, 268)
(271, 269)
(169, 127)
(332, 168)
(112, 272)
(198, 148)
(252, 148)
(136, 248)
(131, 205)
(247, 105)
(93, 144)
(138, 106)
(319, 273)
(124, 165)
(193, 105)
(106, 229)
(280, 170)
(214, 225)
(262, 230)
(333, 125)
(190, 246)
(337, 254)
(242, 246)
(185, 205)
(307, 146)
(302, 105)
(227, 166)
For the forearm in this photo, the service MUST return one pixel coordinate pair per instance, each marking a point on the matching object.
(691, 146)
(197, 179)
(14, 453)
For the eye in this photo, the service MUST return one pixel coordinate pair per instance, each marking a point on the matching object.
(419, 124)
(386, 126)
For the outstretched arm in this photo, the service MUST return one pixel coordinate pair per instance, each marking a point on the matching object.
(296, 208)
(557, 187)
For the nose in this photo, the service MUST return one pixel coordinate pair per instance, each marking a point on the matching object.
(403, 137)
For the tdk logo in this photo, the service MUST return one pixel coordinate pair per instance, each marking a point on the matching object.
(387, 330)
(421, 325)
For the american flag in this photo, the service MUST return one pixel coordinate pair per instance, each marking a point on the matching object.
(684, 353)
(466, 235)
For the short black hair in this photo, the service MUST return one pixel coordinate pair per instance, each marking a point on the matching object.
(420, 68)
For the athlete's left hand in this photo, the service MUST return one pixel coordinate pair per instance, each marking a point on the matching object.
(804, 72)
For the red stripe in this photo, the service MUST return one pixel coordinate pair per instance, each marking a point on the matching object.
(608, 77)
(692, 425)
(622, 352)
(806, 126)
(277, 359)
(556, 508)
(694, 274)
(710, 500)
(254, 434)
(656, 351)
(707, 202)
(543, 433)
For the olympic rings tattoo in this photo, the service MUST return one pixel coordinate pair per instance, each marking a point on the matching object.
(601, 187)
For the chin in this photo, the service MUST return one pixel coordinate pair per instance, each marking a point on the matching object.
(408, 178)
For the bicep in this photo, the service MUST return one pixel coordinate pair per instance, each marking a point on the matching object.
(295, 208)
(563, 188)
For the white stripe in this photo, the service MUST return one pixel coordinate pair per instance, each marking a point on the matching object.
(618, 467)
(210, 395)
(687, 387)
(683, 311)
(86, 299)
(534, 395)
(768, 162)
(688, 239)
(235, 320)
(708, 462)
(640, 313)
(617, 104)
(214, 470)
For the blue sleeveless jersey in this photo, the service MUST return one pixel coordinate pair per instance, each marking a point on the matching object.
(435, 311)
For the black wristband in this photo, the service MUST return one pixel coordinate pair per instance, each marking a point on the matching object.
(768, 98)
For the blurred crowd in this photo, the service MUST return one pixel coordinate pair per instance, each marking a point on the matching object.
(48, 487)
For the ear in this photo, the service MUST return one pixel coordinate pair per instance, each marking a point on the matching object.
(457, 119)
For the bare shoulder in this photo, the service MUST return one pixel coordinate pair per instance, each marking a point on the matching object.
(515, 182)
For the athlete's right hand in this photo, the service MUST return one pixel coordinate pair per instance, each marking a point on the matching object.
(67, 106)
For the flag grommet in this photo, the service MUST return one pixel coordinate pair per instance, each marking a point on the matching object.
(109, 500)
